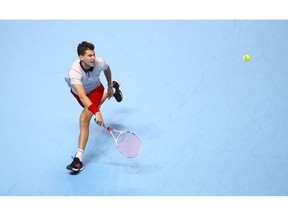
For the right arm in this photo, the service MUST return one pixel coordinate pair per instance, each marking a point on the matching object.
(82, 95)
(87, 103)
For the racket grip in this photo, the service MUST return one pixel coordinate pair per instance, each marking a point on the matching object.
(95, 120)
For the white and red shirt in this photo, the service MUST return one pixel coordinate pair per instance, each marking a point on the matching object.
(90, 80)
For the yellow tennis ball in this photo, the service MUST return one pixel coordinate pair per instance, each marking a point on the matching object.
(246, 58)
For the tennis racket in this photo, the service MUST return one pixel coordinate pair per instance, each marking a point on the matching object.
(126, 142)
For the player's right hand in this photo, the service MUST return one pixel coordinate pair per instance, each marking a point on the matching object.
(98, 120)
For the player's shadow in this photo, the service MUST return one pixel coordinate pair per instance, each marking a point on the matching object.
(135, 168)
(102, 146)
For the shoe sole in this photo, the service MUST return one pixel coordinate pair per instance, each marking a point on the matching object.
(77, 170)
(117, 91)
(73, 169)
(121, 95)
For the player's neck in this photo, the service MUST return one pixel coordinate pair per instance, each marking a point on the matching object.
(85, 67)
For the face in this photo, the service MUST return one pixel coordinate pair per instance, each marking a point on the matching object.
(88, 59)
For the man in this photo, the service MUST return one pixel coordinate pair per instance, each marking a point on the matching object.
(86, 87)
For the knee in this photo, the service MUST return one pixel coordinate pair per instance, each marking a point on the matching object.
(85, 119)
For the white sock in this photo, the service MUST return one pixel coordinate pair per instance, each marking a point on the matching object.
(79, 154)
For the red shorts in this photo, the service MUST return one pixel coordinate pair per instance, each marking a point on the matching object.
(95, 96)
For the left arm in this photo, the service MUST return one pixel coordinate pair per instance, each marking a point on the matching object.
(108, 76)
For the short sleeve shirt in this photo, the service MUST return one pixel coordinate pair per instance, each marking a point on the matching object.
(89, 80)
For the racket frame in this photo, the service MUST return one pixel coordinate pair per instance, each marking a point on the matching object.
(111, 130)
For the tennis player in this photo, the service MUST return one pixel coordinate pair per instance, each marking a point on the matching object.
(84, 82)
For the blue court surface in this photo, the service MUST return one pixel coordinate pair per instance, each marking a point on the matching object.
(211, 124)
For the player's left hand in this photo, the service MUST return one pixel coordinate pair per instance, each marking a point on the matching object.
(110, 92)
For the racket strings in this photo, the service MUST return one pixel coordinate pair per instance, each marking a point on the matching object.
(129, 144)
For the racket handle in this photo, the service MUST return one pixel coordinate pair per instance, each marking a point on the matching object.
(106, 127)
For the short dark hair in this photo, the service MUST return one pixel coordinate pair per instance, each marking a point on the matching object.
(83, 46)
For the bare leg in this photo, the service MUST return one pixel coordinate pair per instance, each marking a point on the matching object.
(85, 118)
(104, 97)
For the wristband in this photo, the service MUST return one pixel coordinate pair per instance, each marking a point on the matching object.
(93, 108)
